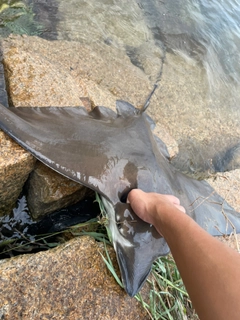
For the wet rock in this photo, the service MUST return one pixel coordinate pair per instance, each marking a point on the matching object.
(49, 191)
(51, 73)
(101, 23)
(15, 166)
(116, 26)
(204, 124)
(229, 160)
(68, 282)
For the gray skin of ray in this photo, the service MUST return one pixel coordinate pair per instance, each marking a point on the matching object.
(112, 153)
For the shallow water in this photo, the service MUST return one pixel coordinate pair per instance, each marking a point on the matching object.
(191, 48)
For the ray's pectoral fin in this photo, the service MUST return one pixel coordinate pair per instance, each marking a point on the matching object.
(207, 207)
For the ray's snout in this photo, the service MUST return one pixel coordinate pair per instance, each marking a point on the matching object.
(134, 270)
(137, 245)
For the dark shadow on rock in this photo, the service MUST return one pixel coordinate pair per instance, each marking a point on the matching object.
(228, 160)
(3, 91)
(201, 159)
(47, 15)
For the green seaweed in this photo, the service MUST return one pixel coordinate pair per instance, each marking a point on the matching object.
(18, 18)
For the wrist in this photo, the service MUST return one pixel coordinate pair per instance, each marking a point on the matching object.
(169, 220)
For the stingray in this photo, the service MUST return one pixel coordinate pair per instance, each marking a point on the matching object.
(112, 153)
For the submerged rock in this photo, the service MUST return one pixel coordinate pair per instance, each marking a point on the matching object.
(68, 282)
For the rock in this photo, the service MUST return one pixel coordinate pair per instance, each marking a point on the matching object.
(15, 166)
(122, 26)
(203, 123)
(161, 132)
(117, 25)
(68, 282)
(227, 184)
(52, 74)
(49, 191)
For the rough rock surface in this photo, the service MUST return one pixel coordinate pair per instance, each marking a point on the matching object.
(15, 166)
(203, 123)
(49, 191)
(51, 73)
(69, 282)
(228, 185)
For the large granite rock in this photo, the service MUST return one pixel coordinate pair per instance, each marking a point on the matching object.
(15, 166)
(121, 25)
(52, 74)
(68, 282)
(49, 191)
(205, 124)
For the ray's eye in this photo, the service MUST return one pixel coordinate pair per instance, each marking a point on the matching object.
(124, 195)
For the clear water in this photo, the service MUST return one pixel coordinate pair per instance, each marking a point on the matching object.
(190, 47)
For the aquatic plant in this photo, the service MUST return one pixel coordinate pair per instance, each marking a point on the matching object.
(18, 18)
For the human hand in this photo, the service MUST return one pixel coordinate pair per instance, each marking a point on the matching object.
(153, 207)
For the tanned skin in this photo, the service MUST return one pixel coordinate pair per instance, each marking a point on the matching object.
(210, 270)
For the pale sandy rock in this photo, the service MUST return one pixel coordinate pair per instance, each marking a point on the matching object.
(15, 166)
(49, 191)
(51, 73)
(161, 132)
(43, 73)
(34, 80)
(69, 282)
(227, 184)
(203, 122)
